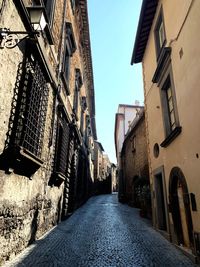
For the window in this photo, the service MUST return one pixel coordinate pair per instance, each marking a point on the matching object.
(61, 147)
(133, 143)
(83, 108)
(170, 115)
(69, 49)
(170, 105)
(159, 33)
(28, 116)
(87, 129)
(78, 84)
(50, 7)
(73, 4)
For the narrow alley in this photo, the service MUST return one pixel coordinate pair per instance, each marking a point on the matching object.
(103, 232)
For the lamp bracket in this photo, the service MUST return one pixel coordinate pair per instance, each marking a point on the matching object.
(10, 39)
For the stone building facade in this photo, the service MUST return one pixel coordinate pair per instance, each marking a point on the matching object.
(167, 45)
(47, 127)
(135, 166)
(98, 160)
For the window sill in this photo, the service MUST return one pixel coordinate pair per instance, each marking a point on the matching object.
(28, 155)
(57, 179)
(171, 136)
(21, 161)
(163, 59)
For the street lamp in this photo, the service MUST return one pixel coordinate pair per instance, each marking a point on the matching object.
(10, 39)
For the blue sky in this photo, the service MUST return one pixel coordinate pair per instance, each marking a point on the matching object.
(113, 25)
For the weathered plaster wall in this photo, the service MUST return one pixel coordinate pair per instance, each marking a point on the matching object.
(182, 22)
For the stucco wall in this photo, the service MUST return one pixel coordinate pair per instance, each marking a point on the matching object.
(182, 23)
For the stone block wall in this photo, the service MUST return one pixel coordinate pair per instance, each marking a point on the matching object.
(29, 206)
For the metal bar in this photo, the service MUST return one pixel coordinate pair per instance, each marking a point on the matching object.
(19, 32)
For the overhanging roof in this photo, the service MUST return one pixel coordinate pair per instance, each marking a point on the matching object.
(147, 14)
(99, 144)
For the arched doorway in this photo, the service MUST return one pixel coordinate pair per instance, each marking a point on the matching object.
(180, 208)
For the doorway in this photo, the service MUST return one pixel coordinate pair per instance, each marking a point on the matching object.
(180, 208)
(161, 220)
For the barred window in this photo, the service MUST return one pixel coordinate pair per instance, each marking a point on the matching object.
(28, 116)
(31, 108)
(61, 148)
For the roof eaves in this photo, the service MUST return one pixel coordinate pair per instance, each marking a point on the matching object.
(147, 14)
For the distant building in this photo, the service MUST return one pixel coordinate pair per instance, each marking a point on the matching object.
(114, 177)
(134, 165)
(98, 161)
(102, 171)
(106, 166)
(123, 119)
(167, 44)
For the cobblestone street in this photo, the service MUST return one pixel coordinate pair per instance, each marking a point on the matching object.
(103, 233)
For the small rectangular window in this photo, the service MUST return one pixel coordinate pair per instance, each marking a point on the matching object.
(66, 64)
(78, 84)
(50, 7)
(69, 49)
(159, 34)
(169, 103)
(133, 143)
(73, 3)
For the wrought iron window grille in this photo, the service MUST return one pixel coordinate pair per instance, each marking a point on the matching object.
(61, 149)
(28, 117)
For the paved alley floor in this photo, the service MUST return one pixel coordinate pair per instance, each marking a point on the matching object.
(102, 233)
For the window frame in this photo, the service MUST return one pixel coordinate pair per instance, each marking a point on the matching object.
(73, 5)
(78, 85)
(133, 144)
(69, 50)
(61, 146)
(158, 45)
(167, 82)
(25, 139)
(50, 10)
(83, 109)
